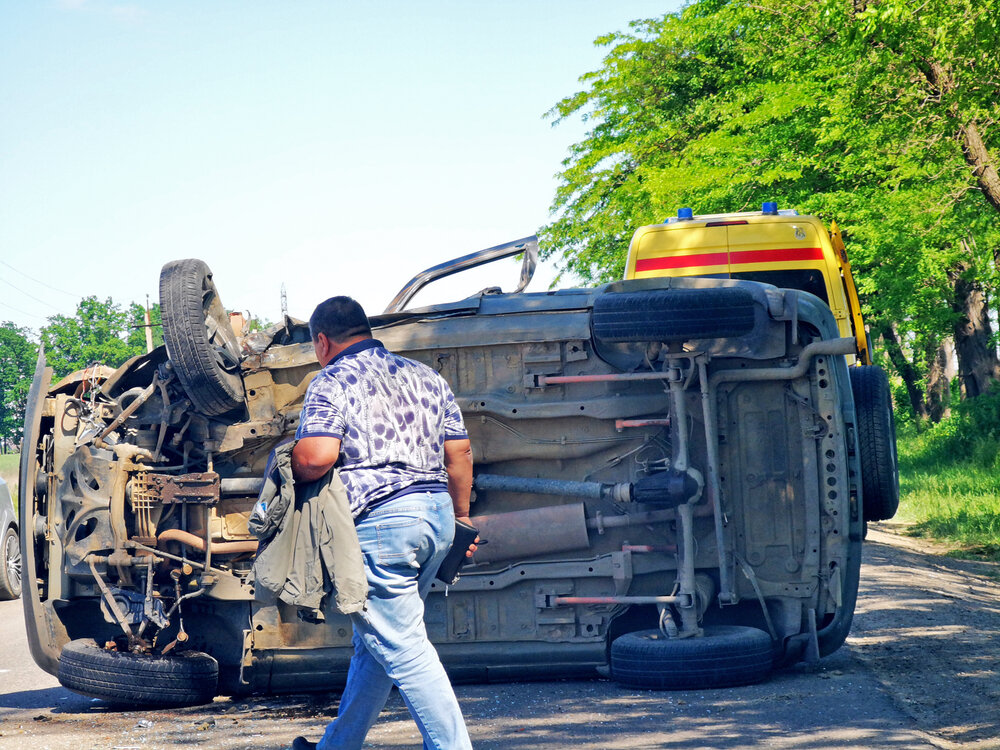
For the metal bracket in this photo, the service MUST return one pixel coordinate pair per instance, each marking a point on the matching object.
(109, 600)
(246, 662)
(200, 488)
(752, 577)
(621, 566)
(812, 645)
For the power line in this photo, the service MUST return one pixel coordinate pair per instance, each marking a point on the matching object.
(47, 304)
(55, 289)
(23, 312)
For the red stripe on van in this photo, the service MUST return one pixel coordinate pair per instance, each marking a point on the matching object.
(701, 260)
(744, 257)
(777, 255)
(681, 261)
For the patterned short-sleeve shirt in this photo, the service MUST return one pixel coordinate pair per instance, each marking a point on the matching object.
(392, 416)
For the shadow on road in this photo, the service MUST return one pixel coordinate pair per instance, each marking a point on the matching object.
(57, 699)
(833, 705)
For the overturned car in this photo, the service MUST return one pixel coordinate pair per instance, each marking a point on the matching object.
(668, 486)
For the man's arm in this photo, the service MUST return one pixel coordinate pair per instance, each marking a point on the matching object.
(458, 464)
(313, 457)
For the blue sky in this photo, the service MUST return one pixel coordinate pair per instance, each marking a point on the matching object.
(337, 147)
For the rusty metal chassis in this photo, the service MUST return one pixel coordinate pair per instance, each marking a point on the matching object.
(572, 600)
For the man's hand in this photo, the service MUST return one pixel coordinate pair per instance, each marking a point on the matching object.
(475, 544)
(313, 457)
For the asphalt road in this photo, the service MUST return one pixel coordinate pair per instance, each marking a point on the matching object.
(845, 701)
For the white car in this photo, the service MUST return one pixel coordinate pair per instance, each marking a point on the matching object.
(10, 571)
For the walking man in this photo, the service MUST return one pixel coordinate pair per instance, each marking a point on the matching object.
(406, 461)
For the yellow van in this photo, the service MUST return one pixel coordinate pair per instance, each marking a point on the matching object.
(771, 246)
(788, 251)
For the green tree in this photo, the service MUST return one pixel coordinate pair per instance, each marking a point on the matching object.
(17, 365)
(99, 332)
(877, 114)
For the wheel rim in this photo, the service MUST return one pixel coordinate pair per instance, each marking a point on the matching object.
(12, 553)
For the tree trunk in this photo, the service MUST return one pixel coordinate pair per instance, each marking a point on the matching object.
(978, 365)
(905, 369)
(974, 149)
(939, 382)
(983, 168)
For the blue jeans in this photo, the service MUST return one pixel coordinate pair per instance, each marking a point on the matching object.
(403, 542)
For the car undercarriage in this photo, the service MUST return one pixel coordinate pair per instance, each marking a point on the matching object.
(667, 486)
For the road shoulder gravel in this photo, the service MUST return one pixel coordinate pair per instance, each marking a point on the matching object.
(928, 626)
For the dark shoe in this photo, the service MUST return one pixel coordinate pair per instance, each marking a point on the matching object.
(301, 743)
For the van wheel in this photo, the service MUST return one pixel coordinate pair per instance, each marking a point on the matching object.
(10, 573)
(672, 315)
(876, 442)
(200, 342)
(125, 679)
(725, 656)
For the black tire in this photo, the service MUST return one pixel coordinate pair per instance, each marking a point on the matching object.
(726, 656)
(10, 571)
(200, 342)
(673, 315)
(125, 679)
(876, 442)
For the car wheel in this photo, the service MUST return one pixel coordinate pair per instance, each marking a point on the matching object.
(10, 573)
(200, 342)
(673, 315)
(126, 679)
(725, 656)
(876, 442)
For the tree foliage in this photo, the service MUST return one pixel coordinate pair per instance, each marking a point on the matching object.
(882, 115)
(17, 364)
(101, 331)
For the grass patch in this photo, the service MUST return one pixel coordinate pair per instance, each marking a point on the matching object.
(950, 479)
